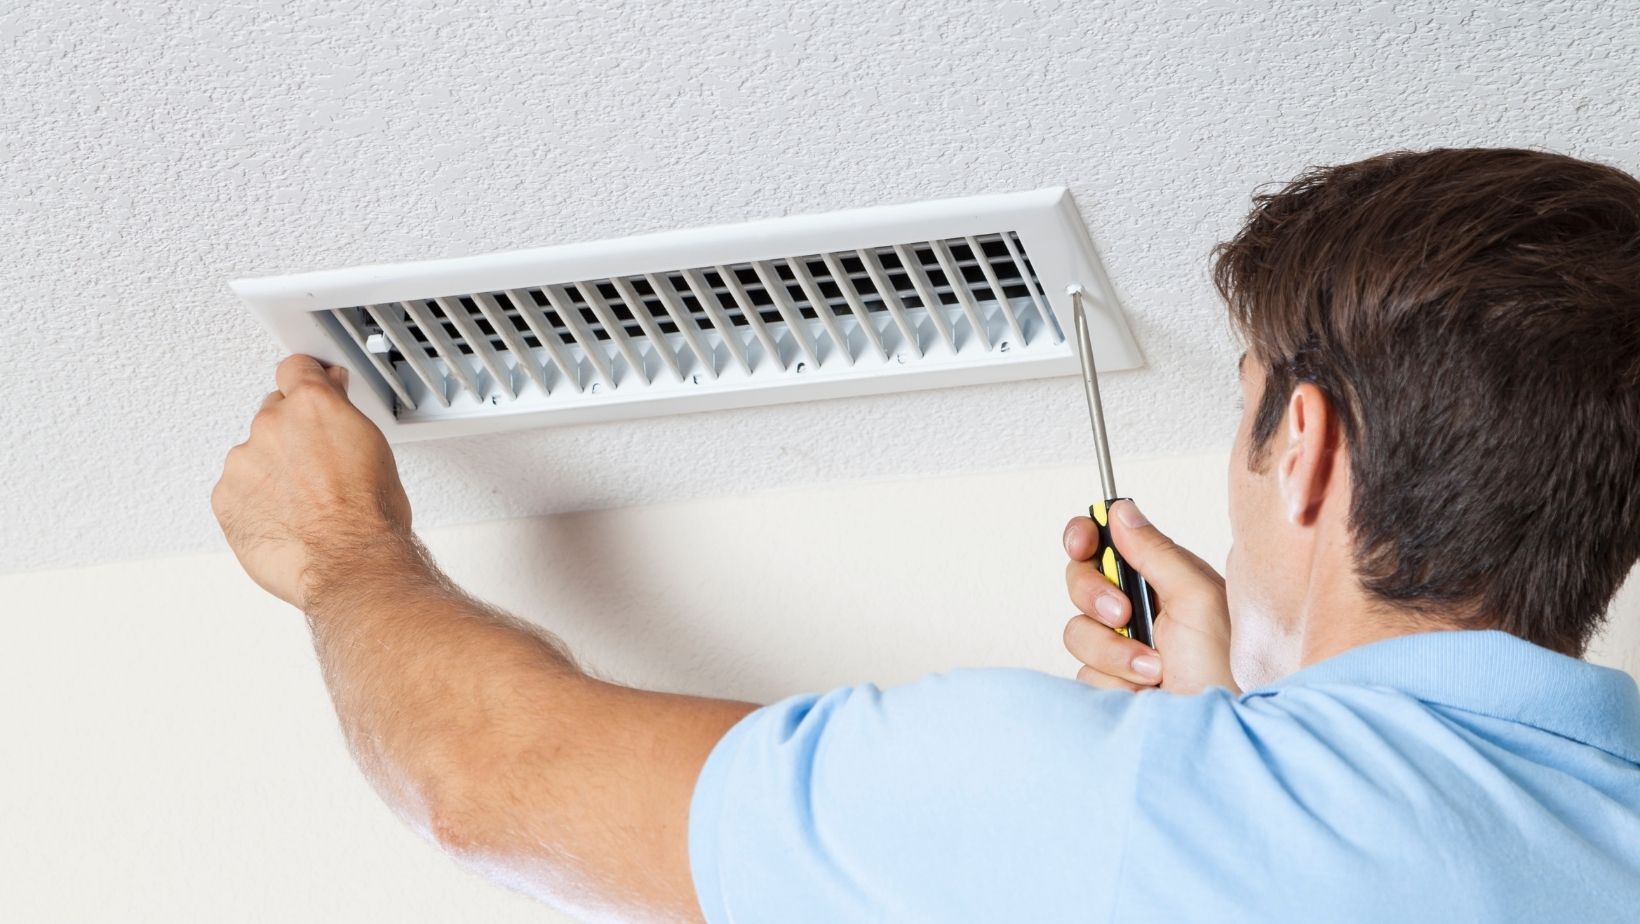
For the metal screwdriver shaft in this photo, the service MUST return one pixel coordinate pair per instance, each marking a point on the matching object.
(1141, 622)
(1090, 384)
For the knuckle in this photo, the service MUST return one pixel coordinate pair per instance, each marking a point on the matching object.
(1073, 631)
(1132, 544)
(230, 463)
(310, 398)
(305, 390)
(1111, 657)
(1093, 644)
(1087, 587)
(1079, 578)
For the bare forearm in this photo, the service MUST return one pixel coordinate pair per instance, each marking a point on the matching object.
(428, 683)
(481, 731)
(475, 727)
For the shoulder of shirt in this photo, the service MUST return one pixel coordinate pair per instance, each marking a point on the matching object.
(1220, 705)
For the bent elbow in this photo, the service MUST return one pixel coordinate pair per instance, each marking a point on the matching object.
(457, 831)
(459, 805)
(484, 802)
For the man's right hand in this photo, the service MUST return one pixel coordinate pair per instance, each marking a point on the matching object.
(313, 490)
(1192, 623)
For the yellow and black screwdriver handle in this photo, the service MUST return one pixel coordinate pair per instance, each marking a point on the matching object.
(1133, 584)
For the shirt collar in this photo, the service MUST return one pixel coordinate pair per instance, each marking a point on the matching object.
(1495, 674)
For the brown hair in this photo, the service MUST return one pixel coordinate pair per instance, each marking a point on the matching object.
(1473, 316)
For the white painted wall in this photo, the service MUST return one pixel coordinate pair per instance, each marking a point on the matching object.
(169, 753)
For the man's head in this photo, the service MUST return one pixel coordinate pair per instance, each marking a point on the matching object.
(1442, 393)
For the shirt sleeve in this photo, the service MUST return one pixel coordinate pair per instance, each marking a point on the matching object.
(986, 794)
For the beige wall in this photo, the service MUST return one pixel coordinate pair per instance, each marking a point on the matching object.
(169, 753)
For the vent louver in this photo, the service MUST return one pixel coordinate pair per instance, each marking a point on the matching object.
(713, 318)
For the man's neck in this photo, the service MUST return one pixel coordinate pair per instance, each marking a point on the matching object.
(1325, 637)
(1337, 615)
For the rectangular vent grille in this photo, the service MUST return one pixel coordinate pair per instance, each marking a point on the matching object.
(766, 317)
(865, 301)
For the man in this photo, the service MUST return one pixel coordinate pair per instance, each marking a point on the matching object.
(1435, 492)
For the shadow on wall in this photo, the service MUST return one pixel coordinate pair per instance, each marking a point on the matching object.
(763, 595)
(634, 605)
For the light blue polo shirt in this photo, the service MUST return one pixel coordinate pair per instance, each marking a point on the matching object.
(1450, 776)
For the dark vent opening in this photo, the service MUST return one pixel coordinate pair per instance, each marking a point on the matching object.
(1015, 282)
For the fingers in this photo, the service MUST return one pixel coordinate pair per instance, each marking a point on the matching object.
(1112, 656)
(1081, 538)
(1093, 593)
(297, 371)
(1170, 569)
(1193, 624)
(270, 399)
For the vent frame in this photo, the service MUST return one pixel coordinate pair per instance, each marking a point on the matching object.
(301, 311)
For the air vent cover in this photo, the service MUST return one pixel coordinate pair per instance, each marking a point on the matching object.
(790, 309)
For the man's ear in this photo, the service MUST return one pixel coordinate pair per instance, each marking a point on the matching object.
(1309, 452)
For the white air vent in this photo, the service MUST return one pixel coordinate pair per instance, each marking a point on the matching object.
(790, 309)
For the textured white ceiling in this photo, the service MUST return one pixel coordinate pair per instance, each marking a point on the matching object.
(153, 151)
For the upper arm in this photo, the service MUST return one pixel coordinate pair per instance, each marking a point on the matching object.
(978, 794)
(584, 802)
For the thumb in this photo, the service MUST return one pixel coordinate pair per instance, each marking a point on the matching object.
(1194, 629)
(1168, 567)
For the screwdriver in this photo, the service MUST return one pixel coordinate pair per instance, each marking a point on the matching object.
(1132, 584)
